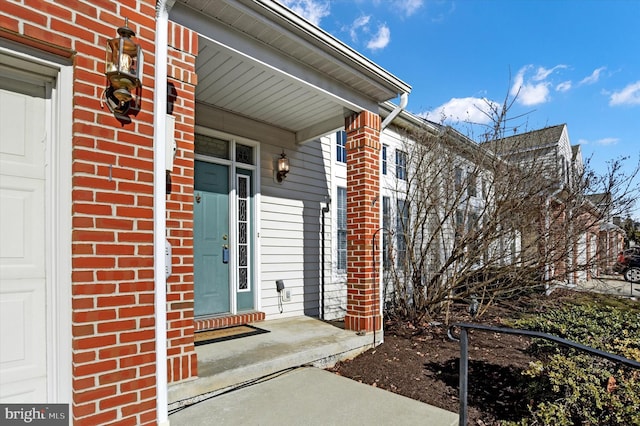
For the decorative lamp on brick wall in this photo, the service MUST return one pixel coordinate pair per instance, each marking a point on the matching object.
(283, 167)
(123, 68)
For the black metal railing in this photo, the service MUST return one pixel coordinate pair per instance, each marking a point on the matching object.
(464, 354)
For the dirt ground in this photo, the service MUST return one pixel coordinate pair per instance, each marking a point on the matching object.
(422, 363)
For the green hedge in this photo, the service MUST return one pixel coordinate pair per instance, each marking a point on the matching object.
(570, 387)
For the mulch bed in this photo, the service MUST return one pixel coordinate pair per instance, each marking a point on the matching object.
(422, 363)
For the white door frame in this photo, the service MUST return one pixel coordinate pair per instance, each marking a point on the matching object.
(58, 204)
(233, 166)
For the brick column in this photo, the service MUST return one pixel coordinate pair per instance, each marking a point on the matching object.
(181, 356)
(363, 220)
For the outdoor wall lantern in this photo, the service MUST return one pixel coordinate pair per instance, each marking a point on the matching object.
(123, 68)
(283, 167)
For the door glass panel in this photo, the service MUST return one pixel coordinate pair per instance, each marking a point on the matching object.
(242, 210)
(212, 147)
(243, 233)
(243, 279)
(244, 154)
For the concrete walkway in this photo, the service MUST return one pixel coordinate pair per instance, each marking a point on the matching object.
(611, 284)
(310, 396)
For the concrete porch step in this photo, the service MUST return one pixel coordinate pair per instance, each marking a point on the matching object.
(291, 342)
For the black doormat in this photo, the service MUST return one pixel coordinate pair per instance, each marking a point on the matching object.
(227, 333)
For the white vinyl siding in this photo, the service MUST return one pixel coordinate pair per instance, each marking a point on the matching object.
(402, 227)
(290, 228)
(336, 280)
(386, 231)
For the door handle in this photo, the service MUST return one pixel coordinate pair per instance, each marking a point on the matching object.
(225, 254)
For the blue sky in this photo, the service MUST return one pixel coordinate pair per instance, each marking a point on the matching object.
(572, 61)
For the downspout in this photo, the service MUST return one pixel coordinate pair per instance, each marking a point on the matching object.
(325, 210)
(159, 207)
(374, 261)
(404, 99)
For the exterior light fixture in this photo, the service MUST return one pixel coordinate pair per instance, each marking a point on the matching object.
(283, 167)
(123, 68)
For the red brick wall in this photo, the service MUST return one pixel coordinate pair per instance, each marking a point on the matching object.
(181, 357)
(113, 321)
(363, 220)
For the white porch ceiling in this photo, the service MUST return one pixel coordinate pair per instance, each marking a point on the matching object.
(260, 61)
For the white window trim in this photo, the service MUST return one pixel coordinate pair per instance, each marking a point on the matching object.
(338, 178)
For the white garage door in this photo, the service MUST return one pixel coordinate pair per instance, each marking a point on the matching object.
(23, 209)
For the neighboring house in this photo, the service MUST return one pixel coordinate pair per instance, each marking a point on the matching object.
(237, 85)
(572, 219)
(611, 236)
(549, 147)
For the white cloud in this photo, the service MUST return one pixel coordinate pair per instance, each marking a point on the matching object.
(361, 28)
(543, 73)
(603, 141)
(360, 23)
(473, 110)
(409, 7)
(531, 94)
(594, 77)
(564, 86)
(607, 141)
(630, 95)
(534, 90)
(381, 39)
(311, 10)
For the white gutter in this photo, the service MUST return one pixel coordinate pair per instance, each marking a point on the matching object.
(159, 208)
(404, 99)
(329, 42)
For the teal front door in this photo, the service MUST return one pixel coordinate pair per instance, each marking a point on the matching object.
(211, 239)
